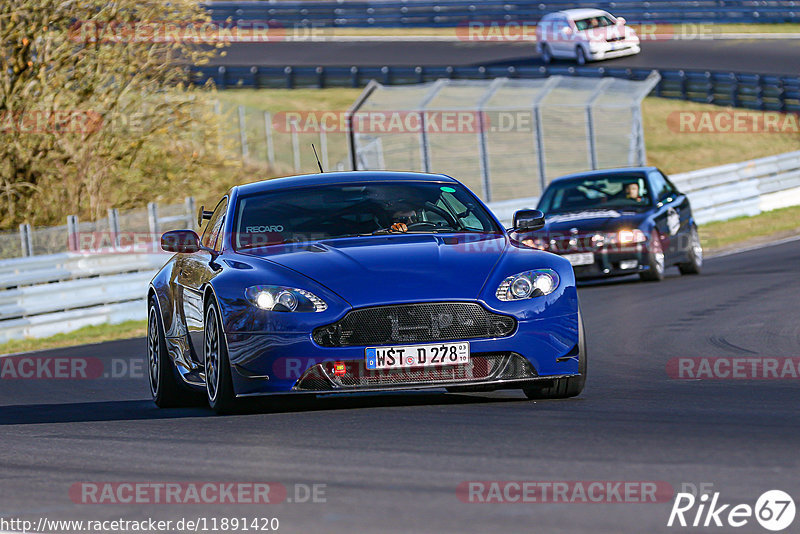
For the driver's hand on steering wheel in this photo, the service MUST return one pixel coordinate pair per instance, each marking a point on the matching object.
(399, 227)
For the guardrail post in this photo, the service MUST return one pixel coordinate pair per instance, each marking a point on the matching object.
(254, 72)
(113, 225)
(72, 233)
(242, 132)
(684, 85)
(26, 240)
(152, 220)
(191, 211)
(268, 135)
(760, 92)
(221, 71)
(320, 71)
(288, 72)
(709, 88)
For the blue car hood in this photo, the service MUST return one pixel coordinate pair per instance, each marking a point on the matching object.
(369, 271)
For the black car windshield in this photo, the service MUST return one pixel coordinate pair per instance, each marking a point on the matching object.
(624, 191)
(346, 210)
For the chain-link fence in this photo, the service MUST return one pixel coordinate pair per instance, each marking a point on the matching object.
(504, 138)
(283, 140)
(123, 230)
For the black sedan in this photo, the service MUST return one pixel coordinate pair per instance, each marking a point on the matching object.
(618, 222)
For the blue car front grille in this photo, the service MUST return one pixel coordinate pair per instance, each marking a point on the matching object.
(415, 323)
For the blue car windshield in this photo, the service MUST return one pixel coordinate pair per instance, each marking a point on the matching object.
(625, 191)
(347, 210)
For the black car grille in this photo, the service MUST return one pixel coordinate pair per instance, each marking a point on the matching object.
(414, 323)
(571, 243)
(485, 367)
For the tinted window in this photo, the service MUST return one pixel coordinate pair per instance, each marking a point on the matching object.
(624, 191)
(346, 210)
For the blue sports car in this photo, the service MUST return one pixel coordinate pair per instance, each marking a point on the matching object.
(360, 281)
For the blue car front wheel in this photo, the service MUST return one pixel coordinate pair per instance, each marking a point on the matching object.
(219, 386)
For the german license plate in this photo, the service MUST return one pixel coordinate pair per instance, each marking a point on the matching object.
(584, 258)
(401, 357)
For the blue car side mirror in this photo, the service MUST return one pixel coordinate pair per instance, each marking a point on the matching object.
(185, 241)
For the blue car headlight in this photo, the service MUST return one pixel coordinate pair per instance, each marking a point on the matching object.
(529, 284)
(284, 299)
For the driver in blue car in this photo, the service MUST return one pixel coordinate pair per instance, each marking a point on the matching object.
(402, 220)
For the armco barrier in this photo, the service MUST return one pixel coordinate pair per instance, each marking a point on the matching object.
(752, 91)
(44, 295)
(443, 13)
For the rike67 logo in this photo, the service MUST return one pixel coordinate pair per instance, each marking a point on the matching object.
(774, 510)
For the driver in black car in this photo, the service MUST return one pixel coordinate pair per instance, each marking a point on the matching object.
(632, 192)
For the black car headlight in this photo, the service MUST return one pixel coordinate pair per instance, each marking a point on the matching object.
(535, 283)
(284, 299)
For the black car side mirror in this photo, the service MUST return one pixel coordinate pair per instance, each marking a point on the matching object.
(181, 241)
(528, 220)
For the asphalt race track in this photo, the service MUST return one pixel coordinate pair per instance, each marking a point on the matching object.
(771, 56)
(392, 462)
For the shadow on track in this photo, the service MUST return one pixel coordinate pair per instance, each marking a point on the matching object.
(135, 410)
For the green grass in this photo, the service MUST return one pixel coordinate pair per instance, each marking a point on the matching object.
(83, 336)
(743, 230)
(675, 151)
(275, 100)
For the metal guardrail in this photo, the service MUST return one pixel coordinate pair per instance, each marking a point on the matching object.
(751, 91)
(747, 188)
(443, 13)
(45, 295)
